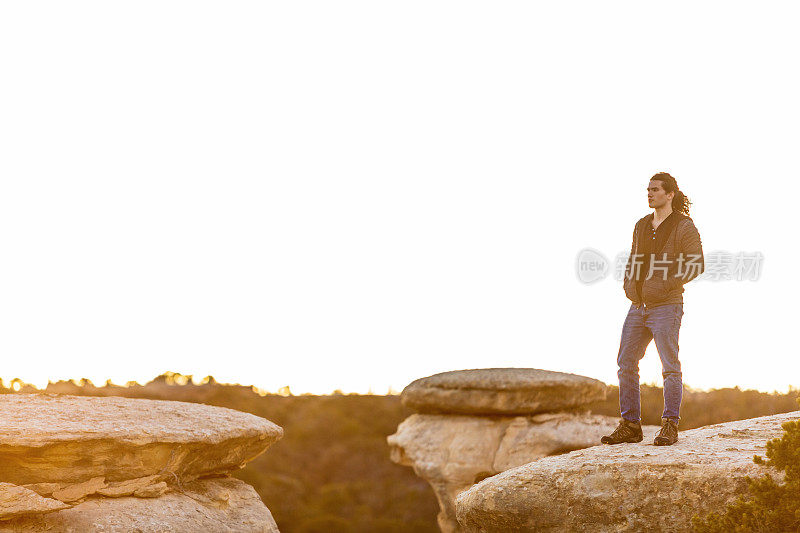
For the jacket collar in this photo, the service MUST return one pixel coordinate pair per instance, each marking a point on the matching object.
(646, 226)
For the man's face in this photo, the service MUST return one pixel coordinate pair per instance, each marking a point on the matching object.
(656, 197)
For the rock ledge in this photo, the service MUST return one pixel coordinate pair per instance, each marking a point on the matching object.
(501, 391)
(82, 463)
(627, 487)
(50, 438)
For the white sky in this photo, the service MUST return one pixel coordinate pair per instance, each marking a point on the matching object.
(353, 195)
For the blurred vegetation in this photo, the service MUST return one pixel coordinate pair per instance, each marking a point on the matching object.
(702, 408)
(331, 472)
(771, 506)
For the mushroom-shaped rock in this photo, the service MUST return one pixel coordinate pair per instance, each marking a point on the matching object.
(218, 504)
(626, 487)
(501, 391)
(47, 438)
(476, 423)
(453, 452)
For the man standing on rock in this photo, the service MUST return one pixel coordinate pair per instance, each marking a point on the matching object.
(666, 253)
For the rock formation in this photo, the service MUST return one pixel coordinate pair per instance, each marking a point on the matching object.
(72, 463)
(209, 504)
(487, 421)
(18, 501)
(626, 487)
(501, 391)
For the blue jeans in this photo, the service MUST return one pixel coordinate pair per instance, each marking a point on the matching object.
(642, 325)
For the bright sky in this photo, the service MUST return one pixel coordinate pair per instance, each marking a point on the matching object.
(352, 195)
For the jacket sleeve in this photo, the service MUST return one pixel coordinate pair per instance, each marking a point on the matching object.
(692, 262)
(630, 257)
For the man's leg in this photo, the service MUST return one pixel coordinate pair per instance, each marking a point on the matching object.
(665, 323)
(635, 338)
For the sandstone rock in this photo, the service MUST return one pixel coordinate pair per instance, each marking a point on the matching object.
(47, 438)
(501, 391)
(127, 487)
(213, 505)
(17, 501)
(45, 489)
(151, 491)
(627, 487)
(77, 491)
(453, 452)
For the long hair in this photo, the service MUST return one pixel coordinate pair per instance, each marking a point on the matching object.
(680, 202)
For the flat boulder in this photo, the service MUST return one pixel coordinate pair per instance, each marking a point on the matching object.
(501, 391)
(68, 440)
(17, 501)
(218, 504)
(625, 487)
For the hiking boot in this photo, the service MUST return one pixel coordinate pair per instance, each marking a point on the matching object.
(626, 431)
(668, 435)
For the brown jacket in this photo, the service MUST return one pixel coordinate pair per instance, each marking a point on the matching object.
(678, 262)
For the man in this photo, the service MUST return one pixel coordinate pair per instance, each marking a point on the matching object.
(666, 253)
